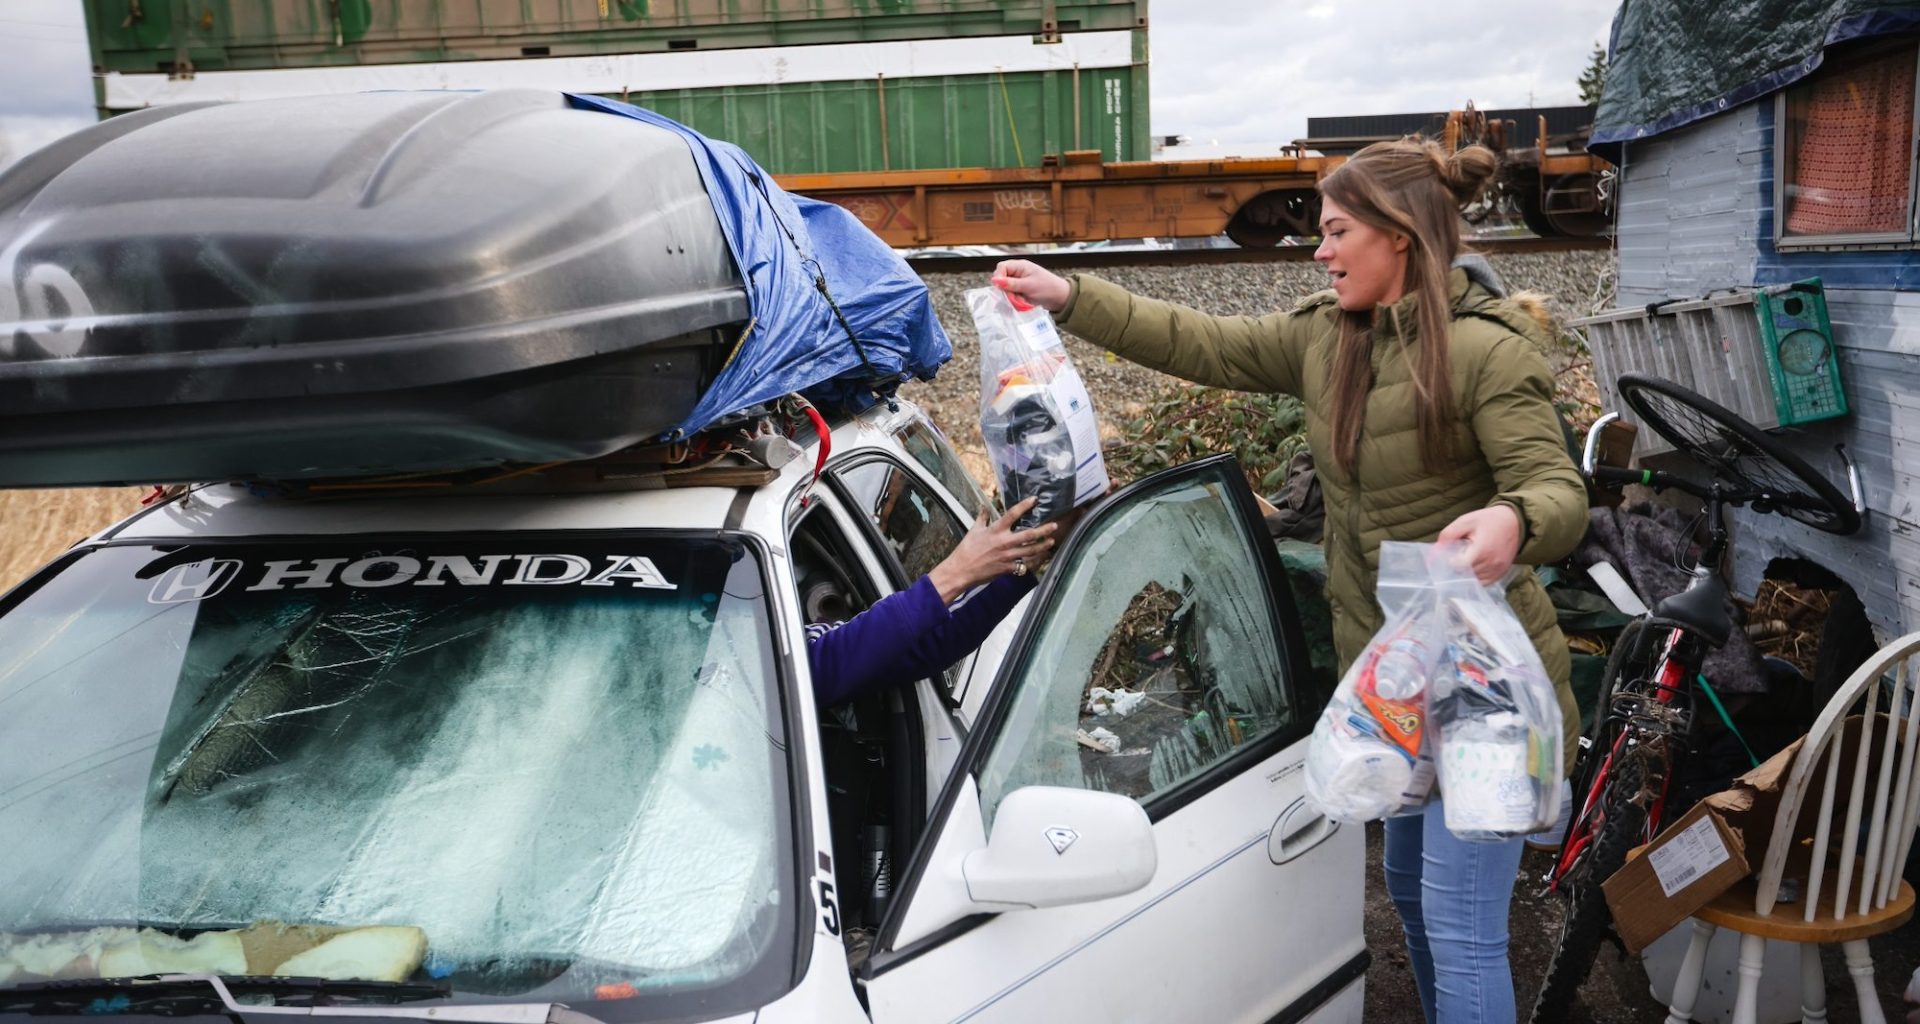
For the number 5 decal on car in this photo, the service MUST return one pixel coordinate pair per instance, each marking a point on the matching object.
(829, 913)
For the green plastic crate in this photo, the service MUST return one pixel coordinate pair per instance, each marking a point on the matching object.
(1797, 341)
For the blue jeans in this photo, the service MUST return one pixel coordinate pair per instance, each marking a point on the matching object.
(1453, 898)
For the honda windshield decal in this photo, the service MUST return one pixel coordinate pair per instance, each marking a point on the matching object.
(208, 577)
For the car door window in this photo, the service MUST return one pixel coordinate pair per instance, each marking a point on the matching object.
(919, 528)
(831, 583)
(929, 447)
(1158, 658)
(872, 743)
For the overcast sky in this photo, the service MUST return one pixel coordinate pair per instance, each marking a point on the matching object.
(1244, 74)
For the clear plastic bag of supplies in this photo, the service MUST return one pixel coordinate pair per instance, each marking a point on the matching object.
(1452, 687)
(1370, 756)
(1493, 714)
(1035, 416)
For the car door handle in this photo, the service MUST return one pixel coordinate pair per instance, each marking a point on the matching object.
(1301, 828)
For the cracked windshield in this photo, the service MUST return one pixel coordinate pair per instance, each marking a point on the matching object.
(519, 768)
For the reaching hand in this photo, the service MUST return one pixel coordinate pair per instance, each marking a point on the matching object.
(1025, 279)
(1492, 536)
(990, 550)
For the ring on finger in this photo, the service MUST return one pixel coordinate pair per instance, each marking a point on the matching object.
(1019, 567)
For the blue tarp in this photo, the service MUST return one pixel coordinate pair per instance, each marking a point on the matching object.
(784, 245)
(1674, 62)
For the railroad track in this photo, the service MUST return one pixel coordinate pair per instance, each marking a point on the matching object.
(1087, 259)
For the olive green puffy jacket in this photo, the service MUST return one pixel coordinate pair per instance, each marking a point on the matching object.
(1509, 447)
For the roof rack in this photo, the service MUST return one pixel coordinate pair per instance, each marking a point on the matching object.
(747, 449)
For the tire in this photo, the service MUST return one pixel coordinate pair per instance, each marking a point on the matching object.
(1570, 224)
(1529, 194)
(1588, 919)
(1625, 661)
(1270, 218)
(1739, 452)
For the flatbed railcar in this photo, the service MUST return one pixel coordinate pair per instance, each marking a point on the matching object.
(966, 122)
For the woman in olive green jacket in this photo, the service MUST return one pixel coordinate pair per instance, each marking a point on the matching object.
(1449, 439)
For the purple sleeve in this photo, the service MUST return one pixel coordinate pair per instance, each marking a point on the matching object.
(905, 636)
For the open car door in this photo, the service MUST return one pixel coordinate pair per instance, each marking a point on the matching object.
(1125, 836)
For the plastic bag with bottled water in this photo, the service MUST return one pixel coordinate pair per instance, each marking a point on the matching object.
(1370, 756)
(1035, 415)
(1449, 690)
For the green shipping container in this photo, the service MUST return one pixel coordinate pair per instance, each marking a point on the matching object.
(850, 106)
(991, 120)
(144, 36)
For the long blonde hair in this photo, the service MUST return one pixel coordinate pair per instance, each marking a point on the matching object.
(1415, 189)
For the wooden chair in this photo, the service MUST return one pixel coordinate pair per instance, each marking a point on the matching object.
(1868, 897)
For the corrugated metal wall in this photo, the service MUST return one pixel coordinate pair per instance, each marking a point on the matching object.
(142, 35)
(993, 120)
(865, 98)
(1696, 215)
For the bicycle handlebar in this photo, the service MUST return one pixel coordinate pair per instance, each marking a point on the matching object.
(1591, 468)
(1650, 478)
(1591, 452)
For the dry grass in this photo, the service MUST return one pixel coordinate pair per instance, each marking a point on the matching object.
(1785, 621)
(41, 524)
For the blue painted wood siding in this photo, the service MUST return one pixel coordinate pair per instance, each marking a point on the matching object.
(1696, 214)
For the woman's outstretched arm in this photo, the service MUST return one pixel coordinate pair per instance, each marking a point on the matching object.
(1242, 352)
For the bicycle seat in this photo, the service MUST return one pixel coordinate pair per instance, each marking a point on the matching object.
(1701, 609)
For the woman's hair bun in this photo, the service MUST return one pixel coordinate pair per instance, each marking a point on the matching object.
(1467, 170)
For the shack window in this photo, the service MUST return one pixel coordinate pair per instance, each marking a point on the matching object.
(1845, 148)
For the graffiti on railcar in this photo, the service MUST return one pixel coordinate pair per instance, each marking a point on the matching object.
(1023, 199)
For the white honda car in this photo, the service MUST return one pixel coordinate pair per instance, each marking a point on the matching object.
(556, 756)
(488, 698)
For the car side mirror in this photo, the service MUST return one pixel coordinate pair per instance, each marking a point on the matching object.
(1052, 846)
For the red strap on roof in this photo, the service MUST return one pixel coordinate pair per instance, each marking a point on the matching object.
(826, 447)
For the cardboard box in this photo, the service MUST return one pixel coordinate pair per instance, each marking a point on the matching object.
(1696, 859)
(1654, 892)
(1718, 842)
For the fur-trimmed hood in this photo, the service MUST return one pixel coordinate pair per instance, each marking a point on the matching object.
(1532, 304)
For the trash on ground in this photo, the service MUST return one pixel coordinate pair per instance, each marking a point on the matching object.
(1119, 703)
(1099, 739)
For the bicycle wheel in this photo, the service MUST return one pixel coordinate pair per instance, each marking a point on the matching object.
(1739, 453)
(1588, 919)
(1625, 662)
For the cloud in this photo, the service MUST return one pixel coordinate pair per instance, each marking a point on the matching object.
(44, 68)
(45, 85)
(1251, 72)
(20, 136)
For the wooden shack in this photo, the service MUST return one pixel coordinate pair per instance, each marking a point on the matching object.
(1747, 167)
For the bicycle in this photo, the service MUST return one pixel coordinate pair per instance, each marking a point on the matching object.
(1641, 729)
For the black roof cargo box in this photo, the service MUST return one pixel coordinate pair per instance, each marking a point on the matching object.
(352, 285)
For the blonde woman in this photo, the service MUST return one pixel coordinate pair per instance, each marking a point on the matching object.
(1430, 415)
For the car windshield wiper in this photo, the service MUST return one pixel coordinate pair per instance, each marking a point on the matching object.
(175, 994)
(181, 994)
